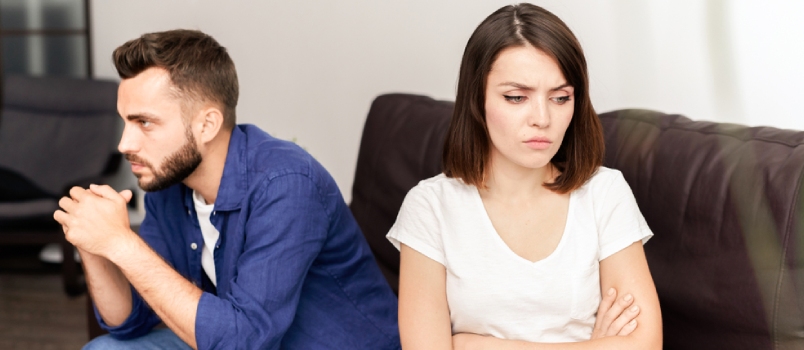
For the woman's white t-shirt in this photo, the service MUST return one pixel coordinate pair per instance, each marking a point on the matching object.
(493, 291)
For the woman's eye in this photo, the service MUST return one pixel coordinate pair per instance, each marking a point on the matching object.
(514, 99)
(563, 99)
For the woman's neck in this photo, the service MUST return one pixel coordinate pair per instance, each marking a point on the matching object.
(512, 181)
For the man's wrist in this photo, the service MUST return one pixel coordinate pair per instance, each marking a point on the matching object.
(89, 258)
(125, 249)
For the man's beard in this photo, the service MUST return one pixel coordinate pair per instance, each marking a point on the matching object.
(176, 167)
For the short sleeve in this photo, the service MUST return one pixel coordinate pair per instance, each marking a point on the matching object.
(619, 221)
(418, 226)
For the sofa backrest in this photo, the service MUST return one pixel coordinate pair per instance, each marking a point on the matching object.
(724, 202)
(401, 145)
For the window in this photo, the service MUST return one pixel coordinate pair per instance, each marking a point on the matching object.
(45, 37)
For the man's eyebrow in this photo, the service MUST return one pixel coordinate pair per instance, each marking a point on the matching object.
(140, 116)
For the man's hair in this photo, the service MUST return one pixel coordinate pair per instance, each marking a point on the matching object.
(467, 145)
(200, 69)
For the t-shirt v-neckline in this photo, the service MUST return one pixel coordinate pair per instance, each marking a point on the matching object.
(504, 246)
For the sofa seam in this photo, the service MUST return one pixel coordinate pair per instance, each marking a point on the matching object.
(674, 127)
(785, 241)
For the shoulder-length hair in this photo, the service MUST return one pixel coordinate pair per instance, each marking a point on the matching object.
(467, 145)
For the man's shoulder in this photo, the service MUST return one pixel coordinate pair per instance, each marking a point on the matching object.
(269, 157)
(267, 154)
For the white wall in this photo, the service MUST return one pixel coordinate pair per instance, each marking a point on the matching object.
(309, 70)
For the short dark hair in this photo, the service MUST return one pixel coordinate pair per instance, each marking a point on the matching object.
(467, 145)
(199, 67)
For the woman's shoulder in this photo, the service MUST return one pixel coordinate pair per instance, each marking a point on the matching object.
(605, 182)
(441, 186)
(604, 177)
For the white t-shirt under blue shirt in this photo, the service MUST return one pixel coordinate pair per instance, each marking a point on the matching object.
(493, 291)
(210, 233)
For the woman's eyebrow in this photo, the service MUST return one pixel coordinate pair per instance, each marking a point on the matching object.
(530, 88)
(561, 87)
(516, 85)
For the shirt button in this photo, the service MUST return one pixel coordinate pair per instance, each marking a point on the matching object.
(193, 246)
(214, 212)
(189, 213)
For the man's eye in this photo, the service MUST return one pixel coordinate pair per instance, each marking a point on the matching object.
(145, 123)
(514, 99)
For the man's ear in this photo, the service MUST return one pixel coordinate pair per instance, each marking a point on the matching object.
(212, 123)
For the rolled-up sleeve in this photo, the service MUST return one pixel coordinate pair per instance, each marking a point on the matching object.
(141, 320)
(285, 229)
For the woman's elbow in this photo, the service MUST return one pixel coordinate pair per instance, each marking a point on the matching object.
(653, 341)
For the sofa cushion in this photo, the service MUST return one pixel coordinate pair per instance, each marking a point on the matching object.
(401, 145)
(725, 204)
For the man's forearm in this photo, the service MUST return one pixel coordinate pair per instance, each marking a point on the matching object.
(108, 287)
(169, 294)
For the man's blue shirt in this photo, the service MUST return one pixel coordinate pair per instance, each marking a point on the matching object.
(293, 269)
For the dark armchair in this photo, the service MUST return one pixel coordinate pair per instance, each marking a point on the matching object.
(55, 133)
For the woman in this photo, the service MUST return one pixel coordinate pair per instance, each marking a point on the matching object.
(513, 244)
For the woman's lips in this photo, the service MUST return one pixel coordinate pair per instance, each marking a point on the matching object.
(539, 143)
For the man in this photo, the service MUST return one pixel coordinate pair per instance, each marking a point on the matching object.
(247, 242)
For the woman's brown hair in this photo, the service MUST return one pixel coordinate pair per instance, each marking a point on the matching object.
(467, 145)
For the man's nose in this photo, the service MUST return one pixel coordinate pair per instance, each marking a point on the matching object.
(128, 142)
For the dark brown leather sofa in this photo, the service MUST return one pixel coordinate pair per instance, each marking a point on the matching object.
(724, 202)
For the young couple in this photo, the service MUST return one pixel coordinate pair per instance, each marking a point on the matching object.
(525, 241)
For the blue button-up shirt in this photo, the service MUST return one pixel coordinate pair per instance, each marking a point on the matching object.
(293, 269)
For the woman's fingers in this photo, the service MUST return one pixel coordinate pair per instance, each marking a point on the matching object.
(606, 302)
(613, 313)
(620, 324)
(615, 316)
(628, 328)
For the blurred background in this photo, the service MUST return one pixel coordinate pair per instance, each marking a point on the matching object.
(309, 70)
